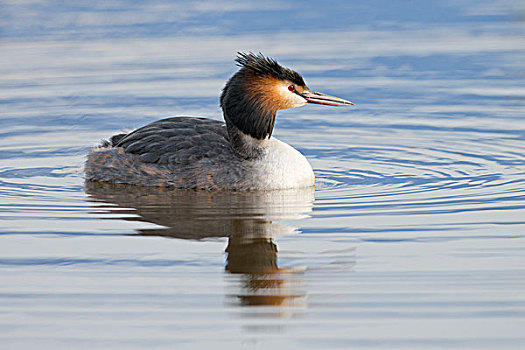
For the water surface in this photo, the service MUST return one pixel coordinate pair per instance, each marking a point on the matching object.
(413, 239)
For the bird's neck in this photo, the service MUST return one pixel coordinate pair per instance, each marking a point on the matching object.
(244, 145)
(249, 113)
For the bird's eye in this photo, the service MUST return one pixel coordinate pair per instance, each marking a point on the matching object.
(291, 88)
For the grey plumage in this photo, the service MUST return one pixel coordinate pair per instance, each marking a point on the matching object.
(178, 141)
(180, 152)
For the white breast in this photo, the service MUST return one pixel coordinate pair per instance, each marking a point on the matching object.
(284, 167)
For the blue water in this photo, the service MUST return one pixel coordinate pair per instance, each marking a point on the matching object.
(414, 237)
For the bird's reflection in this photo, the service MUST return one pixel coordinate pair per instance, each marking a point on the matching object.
(250, 220)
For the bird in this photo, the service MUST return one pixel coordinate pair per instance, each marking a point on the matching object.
(199, 153)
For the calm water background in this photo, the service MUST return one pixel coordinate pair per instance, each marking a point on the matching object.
(416, 236)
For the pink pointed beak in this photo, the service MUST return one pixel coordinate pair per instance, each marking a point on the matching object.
(322, 99)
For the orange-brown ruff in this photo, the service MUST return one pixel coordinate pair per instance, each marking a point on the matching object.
(200, 153)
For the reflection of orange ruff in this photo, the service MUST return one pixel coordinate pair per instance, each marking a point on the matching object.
(263, 282)
(268, 300)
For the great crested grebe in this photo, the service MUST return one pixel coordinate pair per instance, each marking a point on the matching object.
(201, 153)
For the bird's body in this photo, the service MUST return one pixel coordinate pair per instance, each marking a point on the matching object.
(201, 153)
(185, 152)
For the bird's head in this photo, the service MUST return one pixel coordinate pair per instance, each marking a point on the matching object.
(261, 87)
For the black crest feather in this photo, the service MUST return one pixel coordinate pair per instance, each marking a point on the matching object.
(265, 65)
